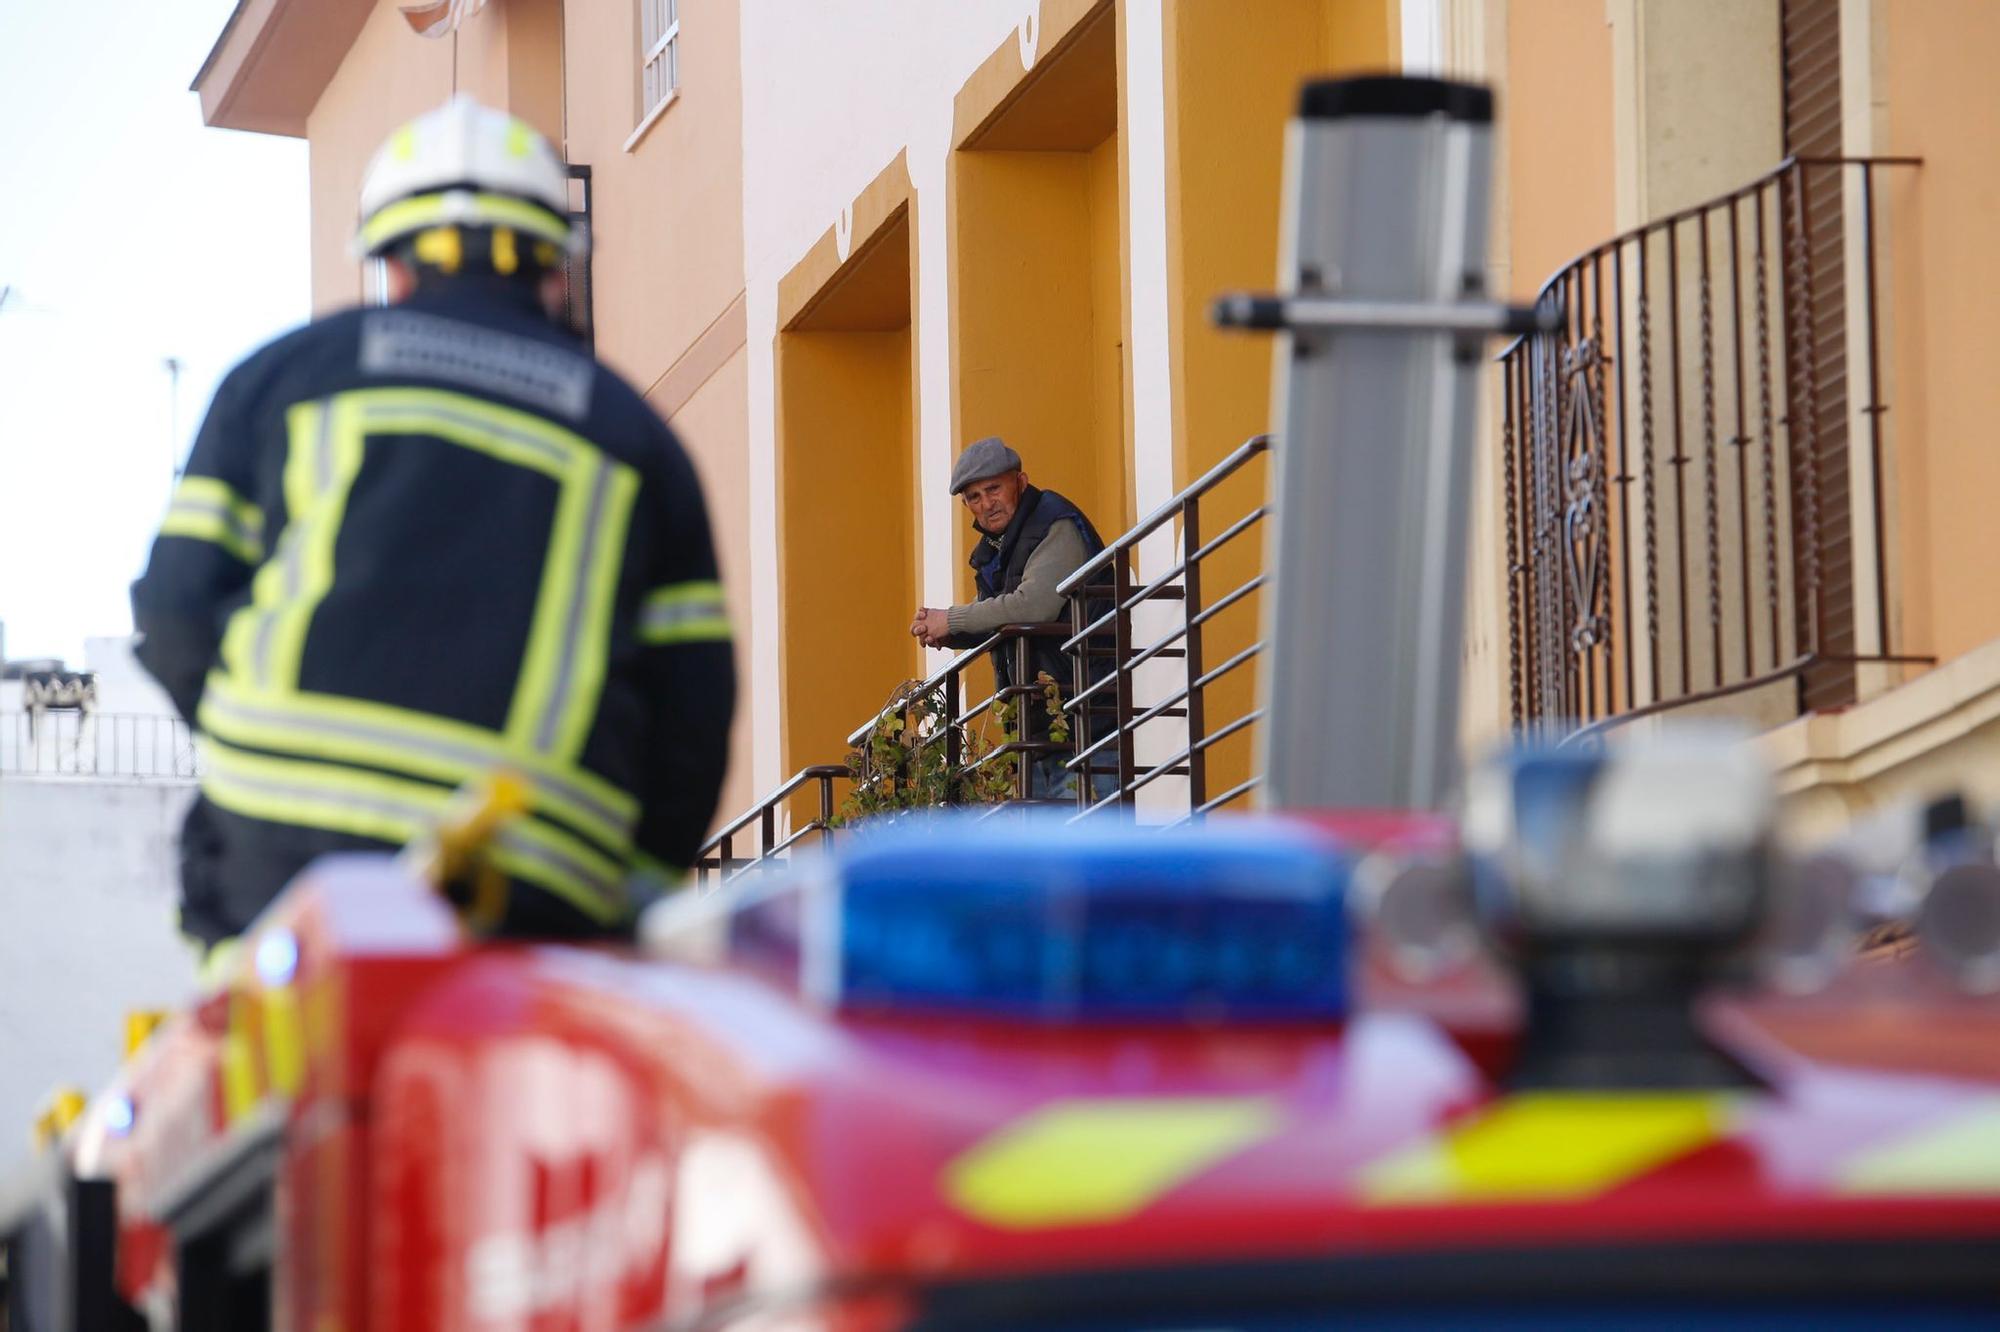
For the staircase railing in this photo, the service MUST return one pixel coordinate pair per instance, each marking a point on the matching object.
(1111, 654)
(1105, 595)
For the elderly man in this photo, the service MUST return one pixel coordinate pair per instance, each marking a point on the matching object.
(1029, 541)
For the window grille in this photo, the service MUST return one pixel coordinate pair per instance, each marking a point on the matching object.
(579, 311)
(660, 63)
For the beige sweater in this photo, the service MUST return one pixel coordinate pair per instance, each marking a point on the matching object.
(1036, 599)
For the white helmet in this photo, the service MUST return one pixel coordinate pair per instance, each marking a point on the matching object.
(464, 164)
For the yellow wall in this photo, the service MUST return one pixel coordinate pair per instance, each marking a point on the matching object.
(1038, 267)
(1038, 362)
(1109, 383)
(1942, 392)
(1231, 87)
(1556, 124)
(846, 450)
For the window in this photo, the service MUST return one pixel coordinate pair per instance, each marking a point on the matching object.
(660, 59)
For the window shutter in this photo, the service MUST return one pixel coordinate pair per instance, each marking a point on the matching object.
(1817, 333)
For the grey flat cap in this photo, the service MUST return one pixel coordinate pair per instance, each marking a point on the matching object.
(981, 459)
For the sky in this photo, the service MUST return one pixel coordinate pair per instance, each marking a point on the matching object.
(129, 233)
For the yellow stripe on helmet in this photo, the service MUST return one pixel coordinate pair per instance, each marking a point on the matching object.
(465, 207)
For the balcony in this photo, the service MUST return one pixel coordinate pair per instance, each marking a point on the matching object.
(1693, 466)
(1146, 708)
(1693, 484)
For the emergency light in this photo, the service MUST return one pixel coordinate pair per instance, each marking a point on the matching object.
(1061, 924)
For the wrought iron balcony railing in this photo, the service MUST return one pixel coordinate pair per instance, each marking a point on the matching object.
(1682, 462)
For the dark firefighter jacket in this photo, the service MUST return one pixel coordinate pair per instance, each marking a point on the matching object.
(413, 545)
(997, 566)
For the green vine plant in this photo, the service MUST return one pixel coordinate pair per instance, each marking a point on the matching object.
(902, 760)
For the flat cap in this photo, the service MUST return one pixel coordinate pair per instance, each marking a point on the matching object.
(981, 459)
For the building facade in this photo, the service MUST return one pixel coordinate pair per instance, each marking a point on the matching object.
(835, 241)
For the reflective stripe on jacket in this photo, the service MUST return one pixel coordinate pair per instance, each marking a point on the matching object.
(419, 543)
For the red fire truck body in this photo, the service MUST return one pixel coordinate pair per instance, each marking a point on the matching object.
(374, 1125)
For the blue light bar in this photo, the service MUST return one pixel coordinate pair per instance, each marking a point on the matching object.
(1058, 924)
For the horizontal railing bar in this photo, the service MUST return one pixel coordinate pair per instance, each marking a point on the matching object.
(1221, 604)
(1178, 696)
(936, 680)
(1208, 480)
(788, 788)
(1175, 766)
(1240, 789)
(791, 841)
(1210, 677)
(1101, 625)
(1159, 588)
(1719, 204)
(1796, 667)
(1215, 737)
(1229, 533)
(1163, 646)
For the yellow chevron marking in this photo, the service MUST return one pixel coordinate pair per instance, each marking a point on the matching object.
(1550, 1145)
(1959, 1155)
(1089, 1161)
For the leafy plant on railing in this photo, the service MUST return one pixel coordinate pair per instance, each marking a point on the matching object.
(903, 759)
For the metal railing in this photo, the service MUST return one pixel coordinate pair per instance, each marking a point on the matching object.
(1105, 595)
(935, 726)
(718, 857)
(1675, 460)
(1112, 656)
(103, 745)
(935, 730)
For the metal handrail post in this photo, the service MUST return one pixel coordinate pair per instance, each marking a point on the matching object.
(952, 748)
(1023, 759)
(1121, 628)
(1197, 720)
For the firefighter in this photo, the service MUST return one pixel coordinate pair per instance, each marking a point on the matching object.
(423, 543)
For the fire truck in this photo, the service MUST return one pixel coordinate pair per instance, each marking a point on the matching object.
(1554, 1066)
(1570, 1041)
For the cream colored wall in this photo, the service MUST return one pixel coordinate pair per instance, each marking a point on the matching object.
(390, 75)
(668, 211)
(1697, 100)
(668, 221)
(667, 268)
(710, 425)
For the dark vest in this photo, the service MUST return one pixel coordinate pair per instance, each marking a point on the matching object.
(997, 568)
